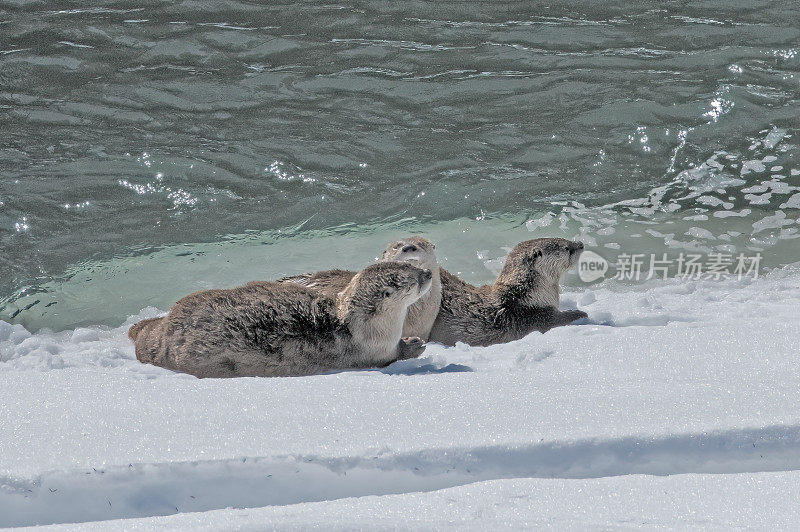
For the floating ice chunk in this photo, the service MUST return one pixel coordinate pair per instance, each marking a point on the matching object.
(788, 233)
(771, 222)
(544, 221)
(765, 241)
(726, 248)
(755, 189)
(727, 214)
(779, 187)
(774, 137)
(758, 199)
(714, 163)
(792, 203)
(643, 212)
(752, 166)
(699, 233)
(732, 182)
(714, 202)
(776, 187)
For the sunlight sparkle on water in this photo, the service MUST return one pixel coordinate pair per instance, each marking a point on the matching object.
(22, 225)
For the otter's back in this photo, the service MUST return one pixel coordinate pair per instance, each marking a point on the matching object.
(465, 313)
(329, 282)
(260, 329)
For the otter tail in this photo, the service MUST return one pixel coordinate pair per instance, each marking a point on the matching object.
(140, 333)
(137, 328)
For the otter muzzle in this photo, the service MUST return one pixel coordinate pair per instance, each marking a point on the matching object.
(425, 281)
(575, 250)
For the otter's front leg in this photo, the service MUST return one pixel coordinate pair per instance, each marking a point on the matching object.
(410, 347)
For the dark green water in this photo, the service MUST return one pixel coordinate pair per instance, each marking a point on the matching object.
(152, 148)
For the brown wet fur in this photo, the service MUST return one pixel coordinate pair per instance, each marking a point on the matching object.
(282, 329)
(136, 328)
(523, 299)
(416, 249)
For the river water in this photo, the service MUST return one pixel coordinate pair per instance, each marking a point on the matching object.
(150, 148)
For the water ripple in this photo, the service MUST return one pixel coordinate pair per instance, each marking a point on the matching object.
(262, 117)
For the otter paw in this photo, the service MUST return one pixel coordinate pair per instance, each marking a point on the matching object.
(411, 347)
(574, 315)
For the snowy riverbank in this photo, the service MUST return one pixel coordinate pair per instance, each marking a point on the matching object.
(670, 378)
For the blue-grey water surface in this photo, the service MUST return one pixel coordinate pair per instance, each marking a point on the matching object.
(152, 148)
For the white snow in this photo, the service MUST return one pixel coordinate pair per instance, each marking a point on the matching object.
(692, 379)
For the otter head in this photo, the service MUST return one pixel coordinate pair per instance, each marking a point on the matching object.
(531, 272)
(383, 288)
(375, 303)
(414, 249)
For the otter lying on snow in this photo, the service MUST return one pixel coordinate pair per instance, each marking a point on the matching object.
(523, 299)
(280, 329)
(416, 250)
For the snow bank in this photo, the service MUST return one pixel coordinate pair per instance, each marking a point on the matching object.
(667, 378)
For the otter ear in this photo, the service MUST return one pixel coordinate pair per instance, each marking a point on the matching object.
(387, 292)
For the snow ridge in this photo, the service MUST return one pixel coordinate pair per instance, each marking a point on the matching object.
(145, 490)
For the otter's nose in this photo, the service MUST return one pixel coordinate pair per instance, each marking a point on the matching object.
(425, 275)
(576, 246)
(409, 247)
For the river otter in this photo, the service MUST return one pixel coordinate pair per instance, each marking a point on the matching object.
(416, 250)
(523, 299)
(280, 329)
